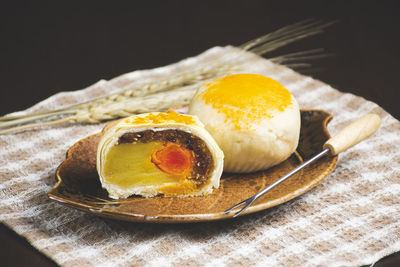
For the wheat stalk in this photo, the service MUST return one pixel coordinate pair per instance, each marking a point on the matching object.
(177, 90)
(154, 102)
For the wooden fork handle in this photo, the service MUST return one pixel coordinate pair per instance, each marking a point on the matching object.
(353, 133)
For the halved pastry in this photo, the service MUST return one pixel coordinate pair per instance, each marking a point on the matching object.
(158, 153)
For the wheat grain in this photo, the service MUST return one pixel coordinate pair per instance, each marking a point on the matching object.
(154, 102)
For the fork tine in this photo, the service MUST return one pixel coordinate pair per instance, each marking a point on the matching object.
(234, 207)
(250, 201)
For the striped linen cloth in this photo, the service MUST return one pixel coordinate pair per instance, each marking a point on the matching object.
(352, 218)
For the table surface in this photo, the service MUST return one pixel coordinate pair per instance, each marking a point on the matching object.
(52, 46)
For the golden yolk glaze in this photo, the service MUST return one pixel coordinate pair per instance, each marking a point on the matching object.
(160, 118)
(246, 98)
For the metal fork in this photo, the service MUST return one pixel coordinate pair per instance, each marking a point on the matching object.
(250, 200)
(346, 138)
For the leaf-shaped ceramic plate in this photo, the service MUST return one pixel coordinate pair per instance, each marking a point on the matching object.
(78, 184)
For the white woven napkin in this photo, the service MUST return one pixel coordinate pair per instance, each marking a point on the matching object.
(352, 218)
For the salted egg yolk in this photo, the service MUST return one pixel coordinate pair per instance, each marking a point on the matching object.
(173, 159)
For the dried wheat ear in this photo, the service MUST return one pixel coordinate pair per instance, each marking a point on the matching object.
(176, 90)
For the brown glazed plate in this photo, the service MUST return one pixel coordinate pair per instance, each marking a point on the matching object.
(78, 185)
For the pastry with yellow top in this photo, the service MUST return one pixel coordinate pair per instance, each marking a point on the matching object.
(158, 153)
(254, 119)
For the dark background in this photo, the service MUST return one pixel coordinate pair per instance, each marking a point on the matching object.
(52, 46)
